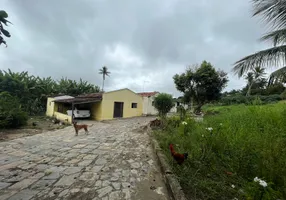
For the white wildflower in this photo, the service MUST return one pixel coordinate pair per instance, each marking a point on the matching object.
(220, 124)
(209, 128)
(233, 186)
(261, 182)
(184, 123)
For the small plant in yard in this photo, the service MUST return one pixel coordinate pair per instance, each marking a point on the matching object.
(261, 182)
(48, 172)
(163, 103)
(182, 111)
(260, 190)
(184, 127)
(174, 121)
(227, 151)
(184, 123)
(257, 101)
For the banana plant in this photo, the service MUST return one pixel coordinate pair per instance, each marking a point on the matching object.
(33, 91)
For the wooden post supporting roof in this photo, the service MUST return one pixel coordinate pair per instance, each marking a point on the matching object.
(72, 113)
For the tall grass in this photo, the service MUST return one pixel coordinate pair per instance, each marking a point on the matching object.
(246, 142)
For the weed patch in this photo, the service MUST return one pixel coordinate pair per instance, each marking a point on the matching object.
(229, 150)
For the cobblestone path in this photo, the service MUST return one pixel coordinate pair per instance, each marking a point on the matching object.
(114, 161)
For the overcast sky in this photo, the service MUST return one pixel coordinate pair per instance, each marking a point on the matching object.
(143, 43)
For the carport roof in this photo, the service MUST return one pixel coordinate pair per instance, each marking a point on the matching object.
(91, 95)
(79, 100)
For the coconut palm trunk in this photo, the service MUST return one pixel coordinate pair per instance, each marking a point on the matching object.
(103, 79)
(249, 89)
(104, 71)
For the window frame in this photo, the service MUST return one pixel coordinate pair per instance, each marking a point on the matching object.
(134, 105)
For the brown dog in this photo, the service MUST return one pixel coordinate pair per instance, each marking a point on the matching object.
(79, 127)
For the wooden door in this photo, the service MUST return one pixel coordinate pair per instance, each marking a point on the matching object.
(118, 110)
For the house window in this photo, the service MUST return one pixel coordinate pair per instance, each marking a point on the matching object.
(152, 103)
(134, 105)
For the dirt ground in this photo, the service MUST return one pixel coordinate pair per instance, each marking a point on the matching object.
(41, 124)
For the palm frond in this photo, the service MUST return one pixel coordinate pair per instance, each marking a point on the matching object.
(277, 37)
(277, 75)
(273, 11)
(269, 57)
(3, 14)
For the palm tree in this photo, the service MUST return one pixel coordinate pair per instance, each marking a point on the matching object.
(249, 77)
(3, 19)
(104, 71)
(274, 13)
(254, 76)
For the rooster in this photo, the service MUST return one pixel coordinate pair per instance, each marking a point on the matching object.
(179, 157)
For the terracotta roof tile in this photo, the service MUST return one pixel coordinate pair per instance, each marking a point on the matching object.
(147, 94)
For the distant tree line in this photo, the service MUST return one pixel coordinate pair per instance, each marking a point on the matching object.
(257, 85)
(30, 93)
(201, 84)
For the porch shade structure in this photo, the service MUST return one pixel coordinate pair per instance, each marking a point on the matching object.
(82, 99)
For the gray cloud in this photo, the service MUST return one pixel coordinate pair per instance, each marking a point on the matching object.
(143, 43)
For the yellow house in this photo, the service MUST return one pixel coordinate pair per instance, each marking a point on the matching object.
(121, 103)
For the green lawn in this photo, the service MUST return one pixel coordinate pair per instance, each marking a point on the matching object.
(246, 142)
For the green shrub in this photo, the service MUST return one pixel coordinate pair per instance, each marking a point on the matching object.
(283, 95)
(163, 103)
(182, 111)
(272, 98)
(248, 141)
(11, 114)
(174, 121)
(275, 89)
(257, 101)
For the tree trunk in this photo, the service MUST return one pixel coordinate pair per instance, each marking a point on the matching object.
(192, 105)
(103, 83)
(198, 109)
(72, 113)
(249, 90)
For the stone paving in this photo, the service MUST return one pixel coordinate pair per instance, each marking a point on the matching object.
(114, 161)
